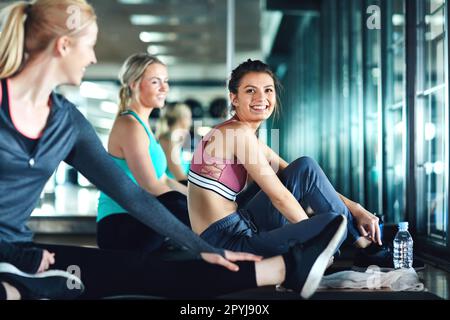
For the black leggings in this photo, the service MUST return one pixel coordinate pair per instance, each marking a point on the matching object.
(121, 231)
(109, 273)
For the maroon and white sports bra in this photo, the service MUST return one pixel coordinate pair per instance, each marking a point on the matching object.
(227, 177)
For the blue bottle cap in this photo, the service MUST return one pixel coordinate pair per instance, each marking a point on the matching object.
(403, 225)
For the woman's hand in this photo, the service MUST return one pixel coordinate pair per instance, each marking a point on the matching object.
(216, 258)
(367, 223)
(47, 260)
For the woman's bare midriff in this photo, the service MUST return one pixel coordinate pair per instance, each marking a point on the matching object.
(207, 208)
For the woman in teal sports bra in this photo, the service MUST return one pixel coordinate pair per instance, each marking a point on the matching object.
(134, 148)
(172, 130)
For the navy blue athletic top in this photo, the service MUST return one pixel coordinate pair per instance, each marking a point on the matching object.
(69, 137)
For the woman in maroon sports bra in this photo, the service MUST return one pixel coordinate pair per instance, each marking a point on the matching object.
(273, 219)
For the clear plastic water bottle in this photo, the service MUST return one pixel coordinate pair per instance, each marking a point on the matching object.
(403, 247)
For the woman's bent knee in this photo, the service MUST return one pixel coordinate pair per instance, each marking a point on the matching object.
(304, 163)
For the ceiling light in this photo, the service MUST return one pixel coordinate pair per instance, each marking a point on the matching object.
(167, 59)
(156, 49)
(135, 1)
(157, 36)
(146, 19)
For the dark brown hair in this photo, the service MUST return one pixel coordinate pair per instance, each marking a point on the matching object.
(252, 66)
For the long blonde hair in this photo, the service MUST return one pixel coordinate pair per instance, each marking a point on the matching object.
(171, 115)
(29, 28)
(131, 72)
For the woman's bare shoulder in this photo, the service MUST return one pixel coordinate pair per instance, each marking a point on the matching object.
(237, 126)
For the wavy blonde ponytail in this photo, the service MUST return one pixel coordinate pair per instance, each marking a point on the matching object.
(12, 39)
(30, 27)
(124, 98)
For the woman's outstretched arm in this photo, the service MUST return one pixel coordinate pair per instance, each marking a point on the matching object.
(90, 158)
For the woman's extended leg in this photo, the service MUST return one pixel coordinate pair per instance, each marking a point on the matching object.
(109, 273)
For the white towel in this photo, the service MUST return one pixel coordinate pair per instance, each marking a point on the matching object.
(374, 278)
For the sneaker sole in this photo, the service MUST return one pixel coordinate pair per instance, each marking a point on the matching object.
(318, 269)
(8, 268)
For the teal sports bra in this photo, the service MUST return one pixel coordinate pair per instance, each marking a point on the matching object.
(106, 205)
